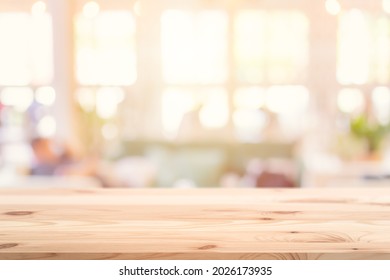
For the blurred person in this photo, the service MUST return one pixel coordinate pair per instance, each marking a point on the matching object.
(49, 160)
(191, 128)
(1, 114)
(230, 179)
(55, 159)
(269, 173)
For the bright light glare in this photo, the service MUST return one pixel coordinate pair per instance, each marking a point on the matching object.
(47, 126)
(386, 6)
(381, 104)
(137, 8)
(253, 97)
(106, 49)
(194, 46)
(249, 119)
(109, 131)
(287, 99)
(38, 8)
(381, 51)
(19, 98)
(350, 100)
(332, 7)
(16, 153)
(185, 111)
(260, 46)
(91, 9)
(354, 48)
(25, 49)
(249, 124)
(86, 99)
(13, 52)
(107, 101)
(215, 112)
(45, 96)
(249, 46)
(175, 104)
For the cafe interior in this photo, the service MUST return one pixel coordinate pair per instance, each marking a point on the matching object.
(194, 93)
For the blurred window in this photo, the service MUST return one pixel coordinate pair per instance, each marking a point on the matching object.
(100, 114)
(270, 104)
(363, 64)
(25, 49)
(381, 104)
(25, 76)
(350, 100)
(189, 113)
(196, 58)
(106, 69)
(105, 48)
(194, 47)
(249, 116)
(260, 46)
(363, 48)
(270, 112)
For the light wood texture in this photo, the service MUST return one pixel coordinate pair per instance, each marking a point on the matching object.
(310, 223)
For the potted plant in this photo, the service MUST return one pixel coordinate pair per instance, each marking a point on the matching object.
(371, 132)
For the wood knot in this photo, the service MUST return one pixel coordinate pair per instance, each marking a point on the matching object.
(294, 232)
(266, 219)
(19, 213)
(8, 245)
(207, 247)
(84, 191)
(286, 212)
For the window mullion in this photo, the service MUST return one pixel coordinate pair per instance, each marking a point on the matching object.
(62, 12)
(231, 84)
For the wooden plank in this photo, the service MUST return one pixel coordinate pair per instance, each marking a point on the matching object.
(193, 212)
(195, 224)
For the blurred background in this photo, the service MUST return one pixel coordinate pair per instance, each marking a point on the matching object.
(195, 93)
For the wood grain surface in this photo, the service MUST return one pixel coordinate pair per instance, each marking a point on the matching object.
(332, 223)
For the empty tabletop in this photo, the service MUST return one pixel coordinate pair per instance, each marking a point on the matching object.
(325, 223)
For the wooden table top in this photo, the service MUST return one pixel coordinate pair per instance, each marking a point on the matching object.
(332, 223)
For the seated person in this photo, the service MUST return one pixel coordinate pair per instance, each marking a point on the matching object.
(49, 160)
(53, 159)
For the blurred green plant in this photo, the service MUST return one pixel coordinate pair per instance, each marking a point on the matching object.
(372, 132)
(90, 125)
